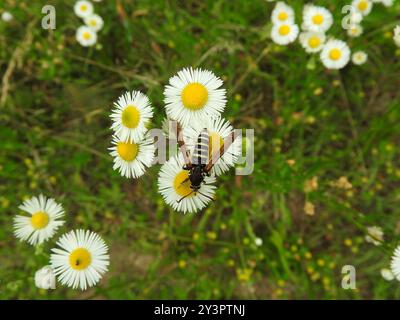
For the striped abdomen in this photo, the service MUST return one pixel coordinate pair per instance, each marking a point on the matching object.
(200, 153)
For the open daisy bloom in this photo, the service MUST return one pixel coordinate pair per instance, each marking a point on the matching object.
(132, 159)
(218, 130)
(174, 186)
(335, 54)
(42, 223)
(362, 6)
(355, 30)
(94, 22)
(282, 13)
(312, 41)
(132, 112)
(193, 95)
(317, 19)
(86, 36)
(395, 263)
(81, 259)
(359, 58)
(284, 33)
(83, 8)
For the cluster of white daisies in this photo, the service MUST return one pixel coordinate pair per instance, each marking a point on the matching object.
(375, 236)
(194, 98)
(80, 258)
(86, 35)
(317, 20)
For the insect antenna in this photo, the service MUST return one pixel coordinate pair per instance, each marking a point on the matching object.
(204, 195)
(184, 197)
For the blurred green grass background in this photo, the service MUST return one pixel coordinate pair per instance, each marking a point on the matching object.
(309, 122)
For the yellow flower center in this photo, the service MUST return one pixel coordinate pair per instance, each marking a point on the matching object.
(194, 96)
(80, 259)
(282, 16)
(86, 35)
(314, 42)
(318, 19)
(93, 23)
(362, 5)
(182, 183)
(215, 143)
(39, 220)
(335, 54)
(284, 30)
(127, 151)
(84, 7)
(130, 117)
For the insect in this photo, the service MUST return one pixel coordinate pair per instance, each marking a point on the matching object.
(201, 162)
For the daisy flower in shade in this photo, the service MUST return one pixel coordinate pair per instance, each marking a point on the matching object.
(42, 223)
(83, 8)
(174, 186)
(387, 3)
(45, 278)
(395, 263)
(132, 159)
(335, 54)
(317, 19)
(312, 41)
(132, 112)
(94, 22)
(284, 33)
(362, 6)
(218, 130)
(374, 236)
(193, 95)
(86, 36)
(282, 13)
(387, 274)
(81, 259)
(355, 30)
(396, 36)
(6, 16)
(359, 58)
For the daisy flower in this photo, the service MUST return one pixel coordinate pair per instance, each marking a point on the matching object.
(218, 130)
(317, 19)
(42, 223)
(6, 16)
(362, 6)
(83, 8)
(284, 33)
(94, 22)
(387, 274)
(132, 159)
(359, 58)
(374, 236)
(193, 95)
(81, 259)
(312, 41)
(174, 186)
(282, 13)
(387, 3)
(86, 36)
(395, 263)
(355, 30)
(45, 278)
(132, 112)
(396, 36)
(335, 54)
